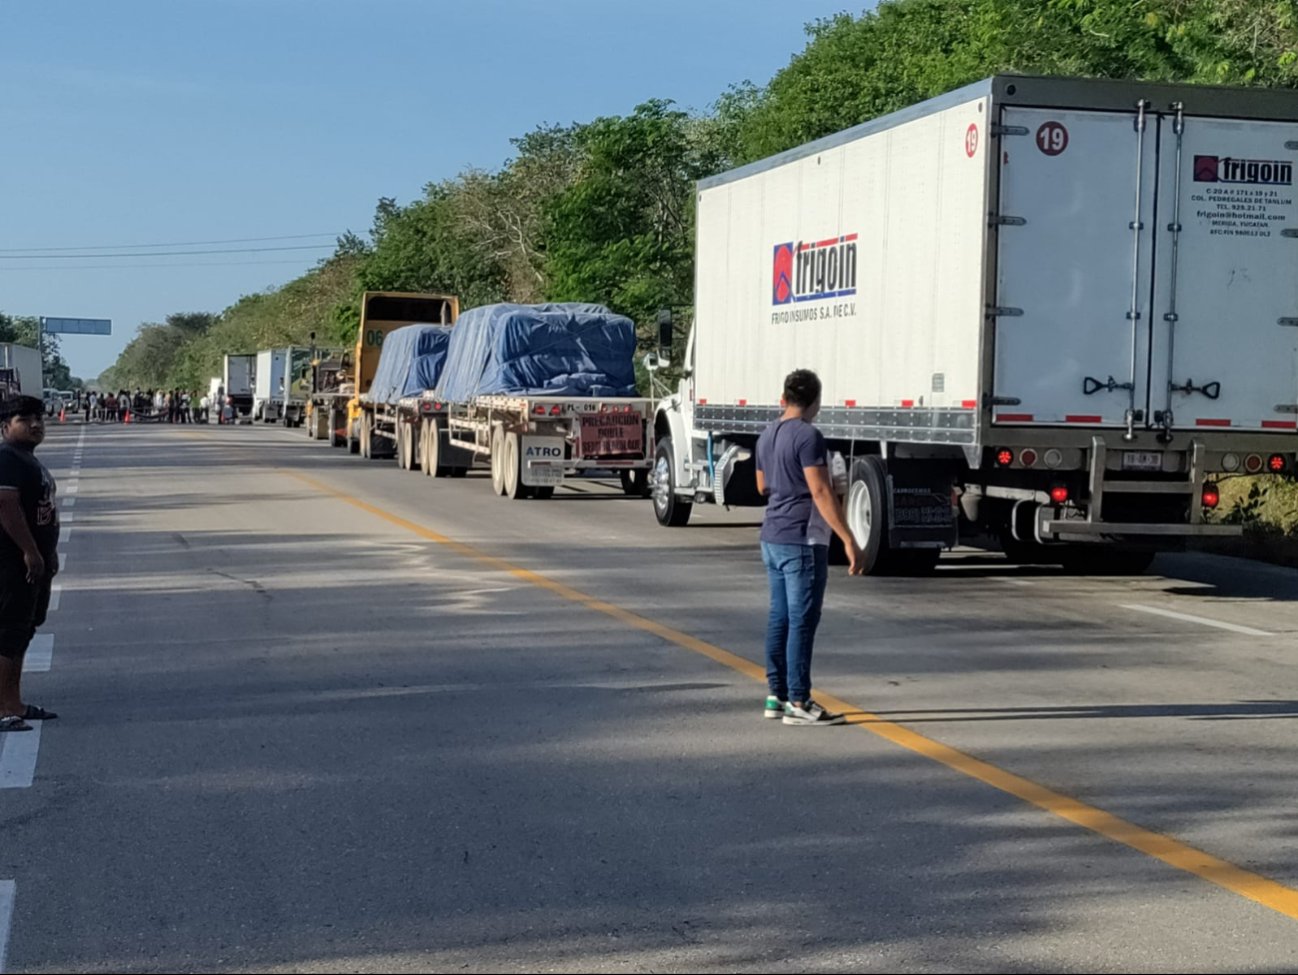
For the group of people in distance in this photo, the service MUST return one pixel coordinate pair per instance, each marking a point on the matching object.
(169, 406)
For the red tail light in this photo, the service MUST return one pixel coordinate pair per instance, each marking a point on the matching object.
(1004, 457)
(1276, 464)
(1027, 457)
(556, 410)
(1253, 463)
(539, 410)
(1211, 496)
(1059, 494)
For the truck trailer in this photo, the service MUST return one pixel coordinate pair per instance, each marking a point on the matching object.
(268, 393)
(237, 378)
(533, 392)
(1052, 311)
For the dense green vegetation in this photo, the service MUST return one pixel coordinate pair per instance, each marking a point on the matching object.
(603, 210)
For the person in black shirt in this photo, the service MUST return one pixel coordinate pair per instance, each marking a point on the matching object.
(29, 540)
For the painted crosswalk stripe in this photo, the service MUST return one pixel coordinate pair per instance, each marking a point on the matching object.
(18, 750)
(8, 890)
(40, 654)
(70, 487)
(56, 596)
(64, 532)
(67, 503)
(64, 519)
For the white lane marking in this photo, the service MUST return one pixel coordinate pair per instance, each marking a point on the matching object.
(65, 518)
(8, 891)
(1201, 620)
(71, 487)
(18, 751)
(40, 654)
(1012, 582)
(67, 503)
(64, 532)
(56, 595)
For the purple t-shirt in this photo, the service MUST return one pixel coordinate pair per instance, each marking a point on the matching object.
(783, 450)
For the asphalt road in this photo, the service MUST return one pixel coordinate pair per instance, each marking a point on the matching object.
(319, 714)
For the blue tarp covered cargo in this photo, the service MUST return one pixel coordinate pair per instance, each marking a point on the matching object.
(539, 350)
(411, 361)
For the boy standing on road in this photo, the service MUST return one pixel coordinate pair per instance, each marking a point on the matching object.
(803, 512)
(29, 540)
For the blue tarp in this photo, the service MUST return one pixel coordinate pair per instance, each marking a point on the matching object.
(411, 361)
(540, 350)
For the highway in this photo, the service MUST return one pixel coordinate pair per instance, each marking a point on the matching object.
(319, 714)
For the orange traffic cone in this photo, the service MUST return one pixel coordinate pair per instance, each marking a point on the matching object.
(128, 417)
(62, 412)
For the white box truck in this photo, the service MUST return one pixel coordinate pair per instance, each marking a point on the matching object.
(1053, 311)
(268, 392)
(237, 375)
(20, 370)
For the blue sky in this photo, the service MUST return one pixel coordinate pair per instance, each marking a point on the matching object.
(133, 122)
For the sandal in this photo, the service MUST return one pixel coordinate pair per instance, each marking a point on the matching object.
(33, 713)
(13, 722)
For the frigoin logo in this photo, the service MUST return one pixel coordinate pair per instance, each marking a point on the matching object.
(1225, 169)
(804, 271)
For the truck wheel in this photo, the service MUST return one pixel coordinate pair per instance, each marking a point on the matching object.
(515, 489)
(867, 513)
(543, 493)
(405, 451)
(635, 484)
(498, 460)
(435, 466)
(337, 435)
(669, 509)
(367, 437)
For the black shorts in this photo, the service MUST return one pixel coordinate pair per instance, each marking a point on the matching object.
(23, 606)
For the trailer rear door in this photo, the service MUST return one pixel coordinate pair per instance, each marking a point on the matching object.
(1074, 252)
(1226, 339)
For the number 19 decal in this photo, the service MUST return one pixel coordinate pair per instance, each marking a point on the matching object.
(1052, 138)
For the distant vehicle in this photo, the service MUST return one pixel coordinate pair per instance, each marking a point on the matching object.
(237, 379)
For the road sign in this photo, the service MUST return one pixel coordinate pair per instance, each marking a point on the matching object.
(78, 326)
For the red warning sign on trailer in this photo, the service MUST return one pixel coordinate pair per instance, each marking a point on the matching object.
(971, 140)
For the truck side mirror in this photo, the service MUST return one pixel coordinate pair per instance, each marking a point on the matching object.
(664, 337)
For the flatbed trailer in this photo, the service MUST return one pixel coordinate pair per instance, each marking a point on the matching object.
(529, 443)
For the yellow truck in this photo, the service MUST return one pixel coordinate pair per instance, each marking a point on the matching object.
(338, 401)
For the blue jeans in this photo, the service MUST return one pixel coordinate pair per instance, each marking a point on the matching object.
(798, 574)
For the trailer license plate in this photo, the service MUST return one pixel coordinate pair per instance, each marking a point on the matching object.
(1142, 460)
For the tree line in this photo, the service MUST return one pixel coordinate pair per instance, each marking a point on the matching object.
(604, 210)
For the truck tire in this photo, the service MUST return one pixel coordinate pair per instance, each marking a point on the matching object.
(515, 489)
(367, 437)
(498, 460)
(337, 434)
(424, 424)
(406, 456)
(669, 509)
(635, 484)
(435, 466)
(543, 493)
(867, 515)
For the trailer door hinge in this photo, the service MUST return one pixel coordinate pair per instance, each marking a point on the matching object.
(1003, 221)
(1292, 322)
(1000, 311)
(1289, 232)
(990, 400)
(998, 129)
(1286, 407)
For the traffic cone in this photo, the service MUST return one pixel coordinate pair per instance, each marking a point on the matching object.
(62, 416)
(128, 417)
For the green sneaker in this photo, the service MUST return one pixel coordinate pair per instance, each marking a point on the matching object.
(775, 708)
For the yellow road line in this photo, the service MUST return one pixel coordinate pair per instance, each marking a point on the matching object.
(1182, 856)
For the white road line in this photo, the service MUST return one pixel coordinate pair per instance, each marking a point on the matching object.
(64, 532)
(1012, 582)
(18, 751)
(67, 503)
(56, 595)
(1201, 620)
(8, 890)
(65, 518)
(40, 654)
(71, 488)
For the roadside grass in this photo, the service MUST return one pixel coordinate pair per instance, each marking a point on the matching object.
(1267, 507)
